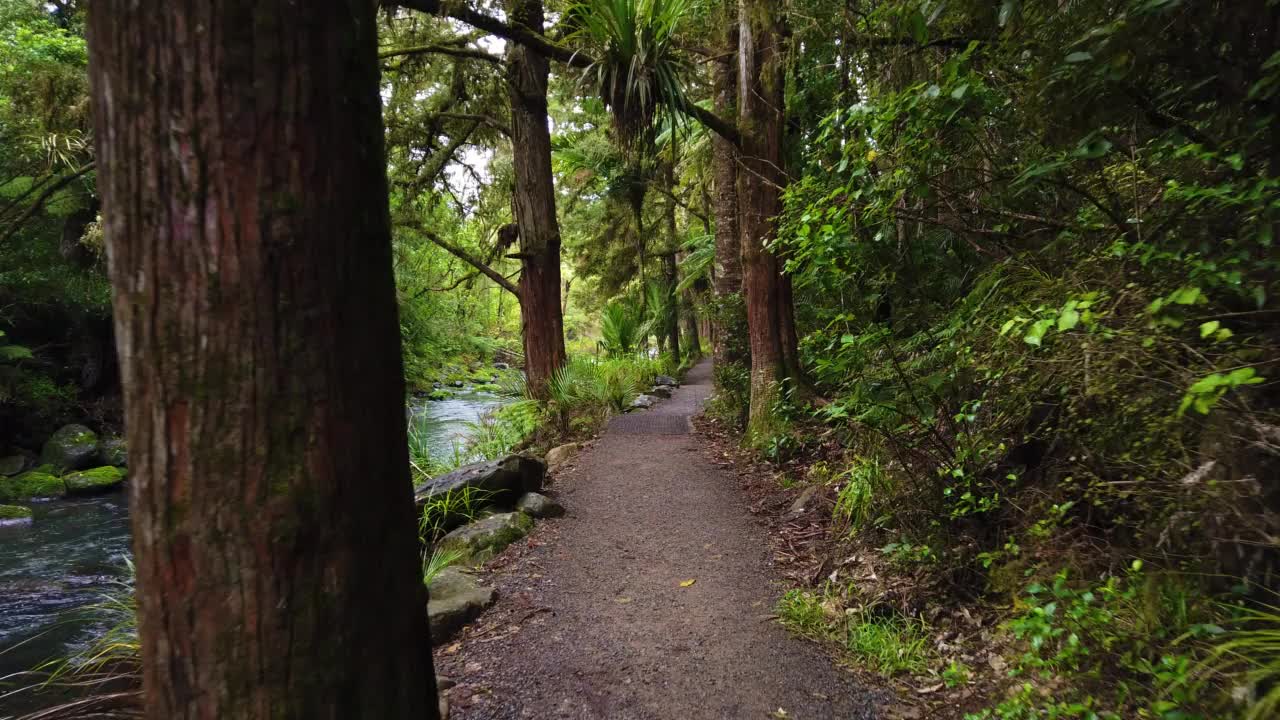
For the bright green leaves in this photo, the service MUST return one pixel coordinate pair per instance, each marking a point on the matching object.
(1048, 320)
(1207, 391)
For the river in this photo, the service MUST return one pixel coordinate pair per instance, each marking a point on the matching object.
(74, 551)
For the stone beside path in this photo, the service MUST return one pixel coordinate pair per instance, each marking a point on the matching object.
(651, 599)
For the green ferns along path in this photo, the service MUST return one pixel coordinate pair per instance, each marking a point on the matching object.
(597, 617)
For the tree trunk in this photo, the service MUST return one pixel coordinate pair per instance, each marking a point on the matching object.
(761, 100)
(728, 347)
(242, 173)
(534, 205)
(692, 342)
(673, 316)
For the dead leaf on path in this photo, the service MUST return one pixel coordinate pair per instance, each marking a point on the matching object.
(780, 714)
(930, 689)
(622, 600)
(453, 648)
(688, 583)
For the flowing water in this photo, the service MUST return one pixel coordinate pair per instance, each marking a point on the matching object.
(75, 551)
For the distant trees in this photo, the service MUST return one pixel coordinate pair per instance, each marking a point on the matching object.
(246, 220)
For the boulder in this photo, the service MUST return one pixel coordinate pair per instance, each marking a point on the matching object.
(14, 515)
(561, 454)
(112, 451)
(455, 599)
(457, 383)
(660, 391)
(437, 395)
(508, 477)
(804, 501)
(72, 447)
(665, 380)
(482, 539)
(539, 506)
(30, 485)
(642, 402)
(12, 465)
(501, 366)
(90, 482)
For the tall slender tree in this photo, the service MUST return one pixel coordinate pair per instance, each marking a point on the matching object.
(724, 159)
(245, 214)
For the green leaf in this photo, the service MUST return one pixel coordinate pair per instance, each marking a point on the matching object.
(959, 92)
(1079, 57)
(1006, 11)
(1037, 331)
(1208, 328)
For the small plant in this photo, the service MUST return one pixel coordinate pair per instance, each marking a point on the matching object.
(450, 509)
(956, 674)
(1251, 651)
(887, 644)
(856, 494)
(437, 561)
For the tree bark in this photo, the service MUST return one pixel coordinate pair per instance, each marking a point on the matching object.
(242, 171)
(673, 318)
(534, 204)
(761, 99)
(727, 283)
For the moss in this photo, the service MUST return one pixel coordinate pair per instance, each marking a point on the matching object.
(488, 387)
(31, 484)
(14, 512)
(438, 395)
(90, 481)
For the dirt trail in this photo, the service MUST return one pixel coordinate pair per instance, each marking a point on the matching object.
(593, 621)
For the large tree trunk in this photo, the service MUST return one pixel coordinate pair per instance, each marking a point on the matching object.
(729, 323)
(245, 212)
(761, 100)
(689, 315)
(534, 205)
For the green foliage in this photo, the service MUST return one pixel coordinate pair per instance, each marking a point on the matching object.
(856, 496)
(448, 510)
(622, 329)
(888, 644)
(592, 390)
(639, 70)
(437, 561)
(1250, 650)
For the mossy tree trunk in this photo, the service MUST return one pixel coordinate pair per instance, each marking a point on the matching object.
(245, 213)
(761, 103)
(534, 204)
(727, 283)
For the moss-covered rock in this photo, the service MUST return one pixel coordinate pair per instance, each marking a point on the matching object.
(485, 538)
(488, 387)
(72, 447)
(97, 480)
(12, 465)
(30, 485)
(14, 515)
(438, 395)
(112, 451)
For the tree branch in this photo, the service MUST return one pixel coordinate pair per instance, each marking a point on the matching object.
(42, 198)
(471, 260)
(460, 52)
(484, 119)
(538, 42)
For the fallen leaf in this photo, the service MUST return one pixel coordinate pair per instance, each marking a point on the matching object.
(930, 689)
(453, 648)
(687, 583)
(622, 600)
(781, 714)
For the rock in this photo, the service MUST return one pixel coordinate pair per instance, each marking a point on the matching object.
(72, 447)
(458, 383)
(539, 506)
(642, 402)
(12, 465)
(661, 391)
(97, 480)
(112, 451)
(455, 599)
(665, 380)
(30, 485)
(481, 540)
(501, 366)
(804, 501)
(508, 477)
(437, 395)
(487, 387)
(14, 515)
(437, 385)
(561, 454)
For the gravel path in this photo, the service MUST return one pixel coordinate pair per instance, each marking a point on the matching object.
(593, 620)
